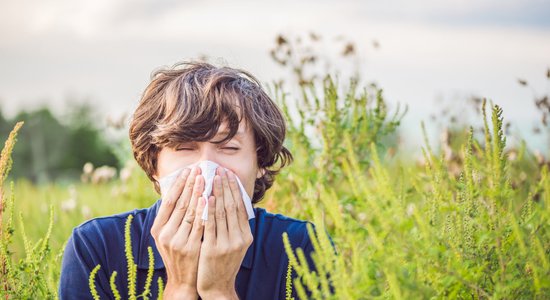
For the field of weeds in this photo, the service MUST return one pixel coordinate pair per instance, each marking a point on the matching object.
(469, 219)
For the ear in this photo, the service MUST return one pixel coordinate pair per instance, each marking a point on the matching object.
(260, 173)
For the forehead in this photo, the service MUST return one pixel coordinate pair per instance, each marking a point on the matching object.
(243, 131)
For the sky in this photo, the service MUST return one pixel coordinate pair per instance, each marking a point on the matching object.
(431, 52)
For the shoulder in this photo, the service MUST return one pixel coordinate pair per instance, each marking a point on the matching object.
(98, 242)
(110, 225)
(104, 235)
(272, 226)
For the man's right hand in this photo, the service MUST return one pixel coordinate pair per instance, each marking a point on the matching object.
(177, 231)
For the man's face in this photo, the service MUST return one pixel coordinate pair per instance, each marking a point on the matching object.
(237, 155)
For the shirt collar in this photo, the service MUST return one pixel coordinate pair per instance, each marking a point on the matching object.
(146, 240)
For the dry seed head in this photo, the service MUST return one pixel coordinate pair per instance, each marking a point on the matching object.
(5, 164)
(5, 157)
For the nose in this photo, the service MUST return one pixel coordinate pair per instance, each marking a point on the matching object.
(208, 152)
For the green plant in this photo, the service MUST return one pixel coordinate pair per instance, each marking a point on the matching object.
(131, 271)
(421, 232)
(37, 268)
(473, 226)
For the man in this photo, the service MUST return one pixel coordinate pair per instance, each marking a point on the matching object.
(192, 113)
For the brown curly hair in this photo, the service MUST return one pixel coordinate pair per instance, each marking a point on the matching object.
(190, 100)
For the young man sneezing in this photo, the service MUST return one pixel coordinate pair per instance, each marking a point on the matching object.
(211, 141)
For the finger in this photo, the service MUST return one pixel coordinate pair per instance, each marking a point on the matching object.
(233, 227)
(184, 201)
(210, 224)
(167, 204)
(189, 218)
(198, 229)
(221, 222)
(242, 215)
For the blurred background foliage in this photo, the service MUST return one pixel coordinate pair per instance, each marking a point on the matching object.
(55, 148)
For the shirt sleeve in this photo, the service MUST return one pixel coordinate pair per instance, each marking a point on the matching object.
(79, 259)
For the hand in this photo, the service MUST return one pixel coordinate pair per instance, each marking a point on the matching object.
(177, 231)
(227, 237)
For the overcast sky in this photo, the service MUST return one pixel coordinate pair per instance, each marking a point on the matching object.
(105, 50)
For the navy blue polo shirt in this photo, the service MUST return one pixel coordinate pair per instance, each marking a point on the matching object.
(262, 274)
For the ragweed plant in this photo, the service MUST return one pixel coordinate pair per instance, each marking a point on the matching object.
(131, 271)
(421, 232)
(37, 267)
(288, 283)
(473, 227)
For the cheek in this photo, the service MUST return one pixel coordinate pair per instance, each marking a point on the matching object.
(249, 184)
(169, 161)
(247, 175)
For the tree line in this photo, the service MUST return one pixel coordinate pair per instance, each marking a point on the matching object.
(55, 147)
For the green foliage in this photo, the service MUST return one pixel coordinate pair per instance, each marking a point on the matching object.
(112, 284)
(132, 267)
(149, 279)
(161, 287)
(54, 148)
(420, 231)
(288, 283)
(37, 268)
(91, 282)
(131, 271)
(473, 224)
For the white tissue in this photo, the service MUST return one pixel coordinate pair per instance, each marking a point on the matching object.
(208, 169)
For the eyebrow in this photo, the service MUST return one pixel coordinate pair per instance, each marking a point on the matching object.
(225, 132)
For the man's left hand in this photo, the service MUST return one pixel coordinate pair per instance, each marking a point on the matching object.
(227, 237)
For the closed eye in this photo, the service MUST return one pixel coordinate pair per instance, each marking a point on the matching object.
(191, 148)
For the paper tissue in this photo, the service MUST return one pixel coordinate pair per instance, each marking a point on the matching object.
(208, 169)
